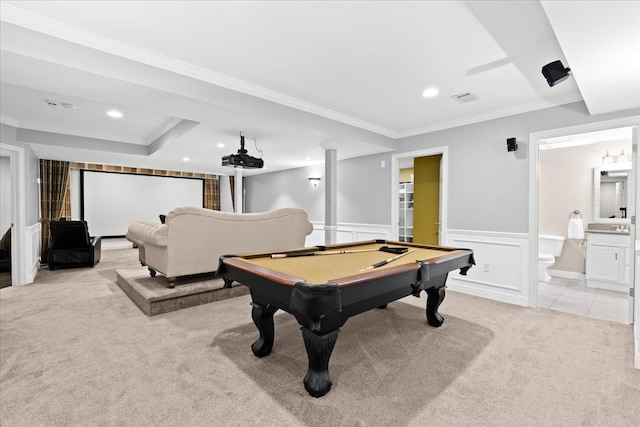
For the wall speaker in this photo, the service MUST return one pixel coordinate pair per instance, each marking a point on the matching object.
(555, 72)
(512, 145)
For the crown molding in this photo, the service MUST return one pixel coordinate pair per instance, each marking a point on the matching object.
(9, 121)
(35, 22)
(330, 145)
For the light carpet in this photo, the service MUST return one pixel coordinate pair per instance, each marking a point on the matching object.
(75, 350)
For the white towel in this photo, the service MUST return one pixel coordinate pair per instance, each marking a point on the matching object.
(576, 230)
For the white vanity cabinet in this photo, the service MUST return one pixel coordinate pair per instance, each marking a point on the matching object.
(608, 261)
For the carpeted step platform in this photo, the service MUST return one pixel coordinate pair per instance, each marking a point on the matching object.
(153, 297)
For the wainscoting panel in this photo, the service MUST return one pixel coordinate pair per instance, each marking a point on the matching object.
(349, 232)
(32, 252)
(501, 270)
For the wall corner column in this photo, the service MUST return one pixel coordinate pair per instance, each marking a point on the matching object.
(330, 192)
(238, 191)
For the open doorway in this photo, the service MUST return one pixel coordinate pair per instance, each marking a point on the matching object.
(404, 218)
(578, 239)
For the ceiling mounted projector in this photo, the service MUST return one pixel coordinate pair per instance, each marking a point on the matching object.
(242, 159)
(555, 72)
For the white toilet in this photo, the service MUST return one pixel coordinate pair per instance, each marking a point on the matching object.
(549, 247)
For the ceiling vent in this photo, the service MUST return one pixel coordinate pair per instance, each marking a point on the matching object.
(465, 97)
(55, 104)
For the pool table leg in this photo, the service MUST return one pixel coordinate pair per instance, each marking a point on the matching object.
(319, 348)
(263, 319)
(435, 296)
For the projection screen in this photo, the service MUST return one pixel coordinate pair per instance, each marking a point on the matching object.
(111, 201)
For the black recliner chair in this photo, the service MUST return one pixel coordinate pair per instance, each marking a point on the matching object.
(71, 245)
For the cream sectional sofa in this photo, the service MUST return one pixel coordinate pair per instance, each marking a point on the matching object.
(192, 239)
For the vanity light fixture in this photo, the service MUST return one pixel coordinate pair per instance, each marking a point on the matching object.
(624, 157)
(314, 181)
(616, 158)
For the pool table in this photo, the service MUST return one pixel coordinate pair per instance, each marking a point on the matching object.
(325, 285)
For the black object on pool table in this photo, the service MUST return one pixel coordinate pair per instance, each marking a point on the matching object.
(386, 261)
(390, 249)
(324, 292)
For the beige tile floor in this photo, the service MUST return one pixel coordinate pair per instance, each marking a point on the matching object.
(573, 296)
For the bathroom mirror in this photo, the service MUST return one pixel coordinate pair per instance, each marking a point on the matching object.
(611, 194)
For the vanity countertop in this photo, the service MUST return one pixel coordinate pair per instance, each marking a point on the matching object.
(607, 228)
(623, 233)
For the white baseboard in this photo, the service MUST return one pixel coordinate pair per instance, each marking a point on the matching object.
(473, 289)
(568, 275)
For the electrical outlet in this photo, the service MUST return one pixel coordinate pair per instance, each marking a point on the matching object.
(486, 267)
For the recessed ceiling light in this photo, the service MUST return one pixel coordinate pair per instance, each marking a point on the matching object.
(185, 159)
(114, 113)
(307, 158)
(220, 145)
(430, 92)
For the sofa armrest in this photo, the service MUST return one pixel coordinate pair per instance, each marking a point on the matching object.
(156, 236)
(143, 232)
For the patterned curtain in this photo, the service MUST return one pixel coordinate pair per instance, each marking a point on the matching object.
(54, 182)
(65, 212)
(212, 193)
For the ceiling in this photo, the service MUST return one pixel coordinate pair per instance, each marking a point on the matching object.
(294, 76)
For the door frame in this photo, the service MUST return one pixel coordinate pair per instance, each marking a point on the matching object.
(395, 170)
(17, 163)
(534, 188)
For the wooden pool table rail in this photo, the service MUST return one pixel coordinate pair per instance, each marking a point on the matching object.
(262, 265)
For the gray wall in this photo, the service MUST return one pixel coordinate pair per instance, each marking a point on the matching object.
(32, 197)
(286, 189)
(488, 186)
(364, 190)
